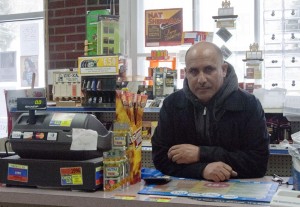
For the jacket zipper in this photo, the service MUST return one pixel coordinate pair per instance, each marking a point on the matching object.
(204, 118)
(205, 125)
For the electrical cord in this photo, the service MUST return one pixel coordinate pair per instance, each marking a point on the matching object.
(5, 145)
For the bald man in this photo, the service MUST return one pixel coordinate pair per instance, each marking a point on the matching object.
(211, 129)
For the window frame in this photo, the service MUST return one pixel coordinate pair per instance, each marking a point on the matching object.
(19, 18)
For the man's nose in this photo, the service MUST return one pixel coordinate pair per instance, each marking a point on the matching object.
(201, 77)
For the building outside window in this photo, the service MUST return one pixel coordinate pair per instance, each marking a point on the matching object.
(21, 49)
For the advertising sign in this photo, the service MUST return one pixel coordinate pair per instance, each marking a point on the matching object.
(163, 27)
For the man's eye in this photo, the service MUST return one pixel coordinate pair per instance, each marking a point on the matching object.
(209, 69)
(193, 71)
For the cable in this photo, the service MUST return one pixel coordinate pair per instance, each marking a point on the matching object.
(6, 151)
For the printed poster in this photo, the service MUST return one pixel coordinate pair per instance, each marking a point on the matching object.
(28, 67)
(29, 39)
(232, 190)
(29, 55)
(163, 27)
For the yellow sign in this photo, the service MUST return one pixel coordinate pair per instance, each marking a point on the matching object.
(98, 65)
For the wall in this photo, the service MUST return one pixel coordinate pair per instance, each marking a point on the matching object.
(67, 29)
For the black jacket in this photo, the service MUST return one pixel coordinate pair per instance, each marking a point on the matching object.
(239, 137)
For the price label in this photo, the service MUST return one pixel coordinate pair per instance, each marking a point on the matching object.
(71, 176)
(38, 102)
(108, 61)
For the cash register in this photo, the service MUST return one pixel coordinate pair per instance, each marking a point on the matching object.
(55, 150)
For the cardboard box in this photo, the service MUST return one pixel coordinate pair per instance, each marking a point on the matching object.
(129, 112)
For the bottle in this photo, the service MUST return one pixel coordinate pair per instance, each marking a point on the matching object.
(125, 167)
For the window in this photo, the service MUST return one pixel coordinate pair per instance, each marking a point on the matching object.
(242, 35)
(21, 46)
(143, 51)
(197, 16)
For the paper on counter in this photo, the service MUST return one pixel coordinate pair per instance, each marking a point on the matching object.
(286, 197)
(84, 139)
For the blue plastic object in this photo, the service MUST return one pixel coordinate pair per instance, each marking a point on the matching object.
(150, 172)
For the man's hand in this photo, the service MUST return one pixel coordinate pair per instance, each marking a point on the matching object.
(218, 171)
(184, 153)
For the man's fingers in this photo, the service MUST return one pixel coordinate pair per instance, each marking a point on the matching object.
(221, 176)
(174, 158)
(171, 157)
(174, 147)
(233, 173)
(227, 167)
(216, 178)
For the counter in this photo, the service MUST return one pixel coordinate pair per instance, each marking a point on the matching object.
(25, 197)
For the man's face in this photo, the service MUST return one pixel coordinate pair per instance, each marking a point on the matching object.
(205, 73)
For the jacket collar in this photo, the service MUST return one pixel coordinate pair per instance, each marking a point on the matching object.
(235, 102)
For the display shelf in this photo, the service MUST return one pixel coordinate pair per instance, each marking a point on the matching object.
(279, 151)
(159, 58)
(267, 110)
(225, 17)
(87, 109)
(74, 109)
(245, 60)
(152, 110)
(274, 149)
(112, 109)
(273, 110)
(155, 63)
(253, 71)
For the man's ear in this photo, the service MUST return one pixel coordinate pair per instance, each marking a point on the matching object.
(224, 69)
